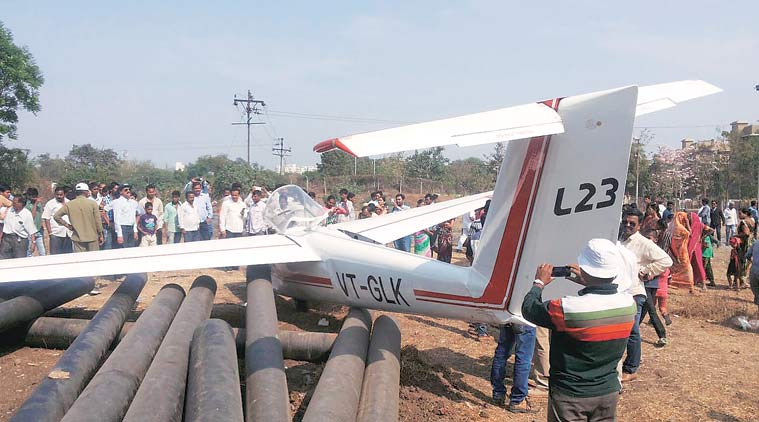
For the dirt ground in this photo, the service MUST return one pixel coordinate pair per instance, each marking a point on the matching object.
(707, 372)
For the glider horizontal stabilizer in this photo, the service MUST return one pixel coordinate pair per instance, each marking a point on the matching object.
(502, 125)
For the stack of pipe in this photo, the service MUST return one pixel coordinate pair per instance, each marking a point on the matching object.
(53, 397)
(161, 395)
(174, 363)
(111, 390)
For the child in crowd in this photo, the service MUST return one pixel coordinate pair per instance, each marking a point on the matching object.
(707, 253)
(147, 226)
(444, 239)
(734, 270)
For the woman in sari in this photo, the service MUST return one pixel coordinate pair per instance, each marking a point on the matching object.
(695, 251)
(651, 223)
(745, 232)
(422, 239)
(682, 272)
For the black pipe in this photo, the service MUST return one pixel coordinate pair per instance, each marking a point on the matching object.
(59, 333)
(381, 387)
(161, 394)
(266, 384)
(108, 395)
(36, 300)
(17, 288)
(56, 393)
(213, 381)
(337, 394)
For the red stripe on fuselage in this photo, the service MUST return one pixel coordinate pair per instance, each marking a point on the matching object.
(304, 279)
(514, 234)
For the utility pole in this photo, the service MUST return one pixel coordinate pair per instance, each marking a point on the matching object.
(251, 107)
(637, 168)
(282, 152)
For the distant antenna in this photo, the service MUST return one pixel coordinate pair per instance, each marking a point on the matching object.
(251, 107)
(282, 152)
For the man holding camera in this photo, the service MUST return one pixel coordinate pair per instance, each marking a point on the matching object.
(588, 334)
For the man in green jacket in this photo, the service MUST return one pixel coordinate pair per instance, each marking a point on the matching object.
(84, 215)
(588, 334)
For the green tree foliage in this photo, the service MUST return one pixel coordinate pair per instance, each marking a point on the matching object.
(336, 163)
(221, 172)
(427, 164)
(20, 80)
(49, 168)
(15, 170)
(494, 160)
(88, 163)
(639, 165)
(469, 176)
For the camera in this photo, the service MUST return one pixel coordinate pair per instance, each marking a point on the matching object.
(563, 271)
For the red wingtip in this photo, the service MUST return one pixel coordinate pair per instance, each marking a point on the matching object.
(331, 144)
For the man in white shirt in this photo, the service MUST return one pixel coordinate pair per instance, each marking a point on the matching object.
(152, 197)
(18, 229)
(232, 215)
(652, 261)
(466, 223)
(125, 219)
(256, 223)
(202, 203)
(404, 243)
(189, 219)
(731, 220)
(347, 205)
(60, 236)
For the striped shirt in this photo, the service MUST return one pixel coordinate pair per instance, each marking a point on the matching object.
(588, 337)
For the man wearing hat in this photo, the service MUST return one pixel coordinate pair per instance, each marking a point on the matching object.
(588, 334)
(84, 221)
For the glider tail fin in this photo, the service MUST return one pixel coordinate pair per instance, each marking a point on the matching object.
(555, 192)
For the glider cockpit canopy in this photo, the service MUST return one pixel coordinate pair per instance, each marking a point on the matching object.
(289, 207)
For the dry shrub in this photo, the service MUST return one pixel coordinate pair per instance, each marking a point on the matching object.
(714, 304)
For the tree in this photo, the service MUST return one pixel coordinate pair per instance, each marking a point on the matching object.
(427, 164)
(20, 80)
(638, 167)
(91, 164)
(494, 160)
(335, 163)
(469, 176)
(15, 170)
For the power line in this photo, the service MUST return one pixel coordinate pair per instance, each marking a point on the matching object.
(314, 116)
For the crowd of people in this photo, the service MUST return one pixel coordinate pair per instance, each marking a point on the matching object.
(95, 216)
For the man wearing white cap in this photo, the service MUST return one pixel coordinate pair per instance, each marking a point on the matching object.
(84, 221)
(588, 334)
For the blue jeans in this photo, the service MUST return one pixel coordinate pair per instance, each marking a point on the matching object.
(108, 238)
(522, 339)
(206, 231)
(192, 236)
(39, 242)
(632, 361)
(403, 244)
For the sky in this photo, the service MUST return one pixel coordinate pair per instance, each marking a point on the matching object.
(156, 80)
